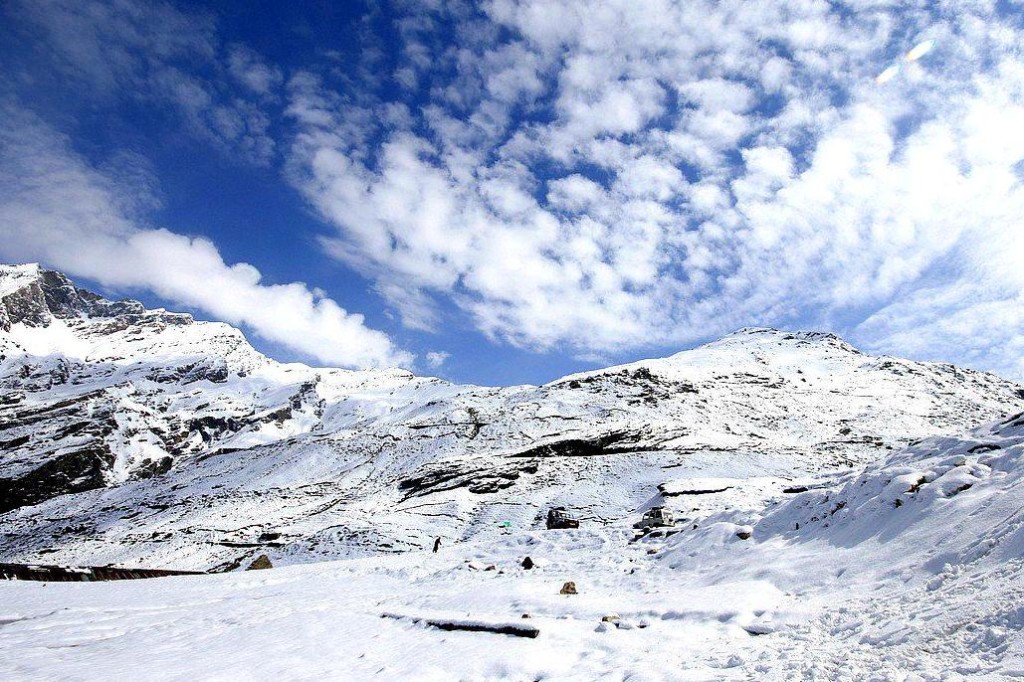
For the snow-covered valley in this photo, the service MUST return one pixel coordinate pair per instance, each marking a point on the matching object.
(840, 515)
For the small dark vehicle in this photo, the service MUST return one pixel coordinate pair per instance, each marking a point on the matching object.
(558, 517)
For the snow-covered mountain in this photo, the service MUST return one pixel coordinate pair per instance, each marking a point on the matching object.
(145, 437)
(909, 569)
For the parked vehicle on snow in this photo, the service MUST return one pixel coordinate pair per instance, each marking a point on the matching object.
(558, 517)
(655, 517)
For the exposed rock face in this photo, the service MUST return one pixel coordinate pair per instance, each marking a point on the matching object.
(260, 563)
(69, 472)
(134, 435)
(54, 448)
(35, 296)
(477, 477)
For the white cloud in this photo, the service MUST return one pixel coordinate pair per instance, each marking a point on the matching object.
(249, 69)
(436, 359)
(57, 209)
(234, 125)
(980, 328)
(574, 193)
(111, 44)
(719, 94)
(655, 173)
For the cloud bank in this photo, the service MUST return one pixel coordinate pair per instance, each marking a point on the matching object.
(629, 174)
(57, 209)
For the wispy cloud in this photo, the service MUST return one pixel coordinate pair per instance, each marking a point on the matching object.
(150, 51)
(652, 173)
(249, 69)
(57, 208)
(436, 359)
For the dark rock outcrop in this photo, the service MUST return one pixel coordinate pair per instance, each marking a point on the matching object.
(478, 478)
(260, 563)
(610, 443)
(53, 294)
(71, 472)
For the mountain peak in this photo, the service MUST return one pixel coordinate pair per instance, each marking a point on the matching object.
(782, 335)
(808, 335)
(43, 314)
(33, 295)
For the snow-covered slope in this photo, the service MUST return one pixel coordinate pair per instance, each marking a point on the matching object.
(148, 438)
(896, 573)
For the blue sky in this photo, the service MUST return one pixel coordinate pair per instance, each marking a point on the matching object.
(512, 190)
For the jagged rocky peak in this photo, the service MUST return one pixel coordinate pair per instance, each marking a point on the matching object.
(47, 322)
(33, 296)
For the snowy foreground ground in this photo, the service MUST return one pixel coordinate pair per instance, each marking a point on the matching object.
(911, 569)
(323, 621)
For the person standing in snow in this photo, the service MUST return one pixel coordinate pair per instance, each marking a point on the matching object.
(437, 545)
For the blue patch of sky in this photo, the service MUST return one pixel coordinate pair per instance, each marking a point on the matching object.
(1011, 9)
(1018, 170)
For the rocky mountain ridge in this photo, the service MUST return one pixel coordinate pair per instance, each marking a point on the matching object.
(146, 437)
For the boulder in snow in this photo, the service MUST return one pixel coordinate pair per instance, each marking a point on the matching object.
(261, 562)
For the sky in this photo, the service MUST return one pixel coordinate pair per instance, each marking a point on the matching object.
(508, 191)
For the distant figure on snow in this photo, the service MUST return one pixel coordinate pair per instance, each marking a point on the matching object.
(437, 545)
